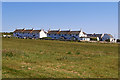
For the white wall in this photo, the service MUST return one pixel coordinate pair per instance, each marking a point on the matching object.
(31, 35)
(113, 40)
(42, 34)
(98, 39)
(82, 35)
(85, 39)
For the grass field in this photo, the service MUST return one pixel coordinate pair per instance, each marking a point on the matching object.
(26, 58)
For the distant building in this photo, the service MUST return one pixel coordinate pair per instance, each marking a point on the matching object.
(97, 36)
(62, 34)
(102, 37)
(29, 33)
(108, 36)
(68, 35)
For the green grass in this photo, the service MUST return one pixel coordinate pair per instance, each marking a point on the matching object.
(26, 58)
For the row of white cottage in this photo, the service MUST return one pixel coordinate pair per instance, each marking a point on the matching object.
(58, 34)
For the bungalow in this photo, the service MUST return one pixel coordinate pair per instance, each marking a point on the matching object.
(29, 33)
(68, 35)
(97, 36)
(102, 37)
(108, 37)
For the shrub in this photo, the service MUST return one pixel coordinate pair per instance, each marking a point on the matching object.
(93, 39)
(108, 40)
(46, 38)
(7, 33)
(69, 53)
(77, 53)
(118, 40)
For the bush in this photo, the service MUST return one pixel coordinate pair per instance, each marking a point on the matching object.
(108, 40)
(46, 38)
(69, 53)
(93, 39)
(77, 53)
(7, 33)
(118, 40)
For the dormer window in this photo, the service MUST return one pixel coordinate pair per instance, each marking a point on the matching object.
(55, 34)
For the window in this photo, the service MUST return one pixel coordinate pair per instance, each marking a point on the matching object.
(70, 34)
(54, 34)
(49, 34)
(59, 35)
(76, 34)
(65, 34)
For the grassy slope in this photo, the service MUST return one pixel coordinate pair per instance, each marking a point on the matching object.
(58, 59)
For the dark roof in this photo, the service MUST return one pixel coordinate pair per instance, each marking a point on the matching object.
(28, 30)
(110, 35)
(53, 32)
(35, 31)
(64, 32)
(19, 30)
(94, 35)
(75, 32)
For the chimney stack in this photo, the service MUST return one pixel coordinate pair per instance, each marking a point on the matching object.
(49, 29)
(69, 29)
(59, 29)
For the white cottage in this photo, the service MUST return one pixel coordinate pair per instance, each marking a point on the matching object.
(108, 36)
(102, 37)
(97, 36)
(68, 35)
(29, 33)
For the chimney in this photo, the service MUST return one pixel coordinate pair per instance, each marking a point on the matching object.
(59, 29)
(42, 29)
(49, 29)
(69, 29)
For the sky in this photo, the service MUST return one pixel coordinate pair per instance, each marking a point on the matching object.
(59, 0)
(91, 17)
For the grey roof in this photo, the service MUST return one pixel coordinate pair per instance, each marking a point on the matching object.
(98, 35)
(94, 35)
(109, 35)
